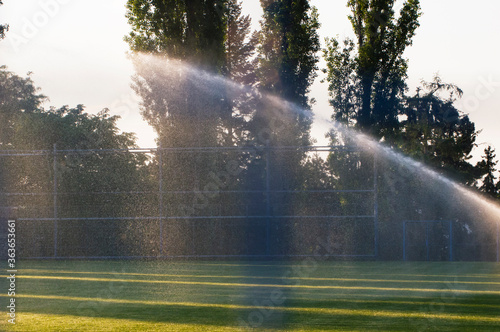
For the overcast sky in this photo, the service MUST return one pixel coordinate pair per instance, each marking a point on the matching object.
(76, 52)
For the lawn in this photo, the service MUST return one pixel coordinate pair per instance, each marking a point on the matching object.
(304, 295)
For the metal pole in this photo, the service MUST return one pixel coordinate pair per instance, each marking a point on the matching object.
(55, 200)
(498, 241)
(160, 193)
(427, 239)
(268, 198)
(451, 241)
(375, 204)
(404, 240)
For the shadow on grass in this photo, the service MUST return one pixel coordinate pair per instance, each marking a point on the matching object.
(292, 318)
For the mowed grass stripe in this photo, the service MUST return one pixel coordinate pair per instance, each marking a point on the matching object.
(419, 303)
(226, 284)
(270, 277)
(481, 276)
(336, 300)
(329, 311)
(49, 323)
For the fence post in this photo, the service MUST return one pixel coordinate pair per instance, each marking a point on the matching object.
(268, 198)
(160, 193)
(451, 241)
(404, 240)
(55, 200)
(427, 244)
(375, 204)
(498, 241)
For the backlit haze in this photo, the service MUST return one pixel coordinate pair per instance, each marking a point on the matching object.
(76, 52)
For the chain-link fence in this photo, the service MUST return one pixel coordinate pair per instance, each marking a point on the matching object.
(237, 202)
(189, 202)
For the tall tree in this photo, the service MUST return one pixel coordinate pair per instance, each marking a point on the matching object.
(288, 58)
(437, 133)
(188, 107)
(373, 72)
(192, 30)
(240, 46)
(488, 165)
(26, 125)
(185, 36)
(288, 46)
(343, 80)
(240, 67)
(3, 27)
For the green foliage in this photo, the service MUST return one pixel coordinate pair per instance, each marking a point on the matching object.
(3, 27)
(382, 40)
(287, 63)
(437, 133)
(367, 83)
(240, 46)
(69, 128)
(192, 30)
(288, 46)
(342, 79)
(487, 166)
(209, 35)
(240, 67)
(17, 95)
(289, 43)
(27, 126)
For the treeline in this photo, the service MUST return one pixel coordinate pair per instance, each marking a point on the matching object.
(367, 81)
(186, 55)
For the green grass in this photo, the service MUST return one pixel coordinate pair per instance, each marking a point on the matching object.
(231, 296)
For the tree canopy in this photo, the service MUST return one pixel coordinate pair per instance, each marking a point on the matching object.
(488, 167)
(288, 47)
(3, 27)
(434, 131)
(368, 90)
(192, 30)
(26, 125)
(368, 77)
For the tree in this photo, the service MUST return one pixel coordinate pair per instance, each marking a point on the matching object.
(367, 79)
(287, 55)
(17, 95)
(3, 27)
(240, 67)
(186, 100)
(367, 84)
(437, 133)
(192, 30)
(288, 48)
(184, 37)
(487, 165)
(342, 79)
(240, 46)
(80, 175)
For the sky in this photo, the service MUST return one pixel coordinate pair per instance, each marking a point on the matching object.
(77, 55)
